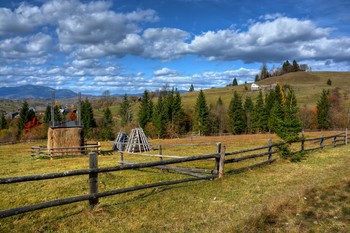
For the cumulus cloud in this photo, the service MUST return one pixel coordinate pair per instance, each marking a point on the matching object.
(166, 72)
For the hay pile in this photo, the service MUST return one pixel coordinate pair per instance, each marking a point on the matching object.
(64, 138)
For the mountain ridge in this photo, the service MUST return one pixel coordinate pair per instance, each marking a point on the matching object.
(34, 91)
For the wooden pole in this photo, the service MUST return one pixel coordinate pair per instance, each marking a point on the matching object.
(269, 143)
(93, 178)
(121, 157)
(160, 152)
(321, 142)
(346, 136)
(217, 160)
(335, 140)
(302, 141)
(222, 161)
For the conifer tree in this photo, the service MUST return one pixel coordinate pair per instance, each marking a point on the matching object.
(145, 111)
(220, 115)
(323, 106)
(260, 115)
(191, 88)
(236, 115)
(201, 114)
(178, 114)
(3, 122)
(264, 73)
(106, 128)
(125, 111)
(25, 115)
(295, 66)
(248, 114)
(276, 116)
(290, 127)
(87, 117)
(159, 117)
(234, 82)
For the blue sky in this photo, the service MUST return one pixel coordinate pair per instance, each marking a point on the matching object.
(130, 46)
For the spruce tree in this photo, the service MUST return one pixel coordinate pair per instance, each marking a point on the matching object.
(146, 109)
(276, 116)
(125, 111)
(295, 66)
(201, 114)
(106, 128)
(159, 117)
(260, 115)
(25, 115)
(191, 88)
(3, 122)
(290, 127)
(220, 114)
(87, 117)
(234, 82)
(248, 114)
(236, 115)
(323, 106)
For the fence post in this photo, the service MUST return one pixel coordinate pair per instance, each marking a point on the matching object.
(217, 160)
(93, 178)
(269, 143)
(121, 158)
(335, 140)
(302, 141)
(222, 161)
(346, 136)
(321, 142)
(160, 149)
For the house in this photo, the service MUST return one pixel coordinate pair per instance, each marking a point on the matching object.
(254, 87)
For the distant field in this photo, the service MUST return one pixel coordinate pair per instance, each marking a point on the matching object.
(280, 197)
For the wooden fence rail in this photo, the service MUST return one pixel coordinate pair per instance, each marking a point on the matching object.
(221, 157)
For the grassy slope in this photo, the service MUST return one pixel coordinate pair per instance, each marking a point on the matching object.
(308, 87)
(265, 198)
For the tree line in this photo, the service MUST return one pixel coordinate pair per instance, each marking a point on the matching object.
(162, 115)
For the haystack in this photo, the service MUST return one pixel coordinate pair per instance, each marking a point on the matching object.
(137, 141)
(65, 138)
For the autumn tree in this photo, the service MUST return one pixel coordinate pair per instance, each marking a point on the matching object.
(25, 115)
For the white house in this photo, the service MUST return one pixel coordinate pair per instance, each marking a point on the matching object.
(254, 87)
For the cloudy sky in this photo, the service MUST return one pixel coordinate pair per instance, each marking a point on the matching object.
(128, 46)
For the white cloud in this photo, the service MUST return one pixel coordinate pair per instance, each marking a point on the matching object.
(166, 72)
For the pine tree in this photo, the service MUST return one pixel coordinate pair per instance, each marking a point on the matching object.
(276, 116)
(125, 111)
(178, 114)
(87, 117)
(290, 127)
(248, 114)
(260, 115)
(220, 115)
(323, 106)
(201, 114)
(106, 128)
(145, 111)
(159, 117)
(3, 122)
(25, 115)
(234, 82)
(264, 73)
(236, 115)
(295, 66)
(191, 88)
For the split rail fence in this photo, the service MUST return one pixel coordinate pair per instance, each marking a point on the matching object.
(220, 159)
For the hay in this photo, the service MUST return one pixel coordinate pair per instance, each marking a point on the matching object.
(63, 138)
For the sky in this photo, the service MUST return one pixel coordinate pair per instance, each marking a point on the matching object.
(127, 46)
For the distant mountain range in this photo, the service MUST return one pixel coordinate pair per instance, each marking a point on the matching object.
(36, 92)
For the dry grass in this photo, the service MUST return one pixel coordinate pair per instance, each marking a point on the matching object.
(264, 198)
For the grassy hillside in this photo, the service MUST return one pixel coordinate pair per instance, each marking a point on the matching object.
(312, 195)
(308, 87)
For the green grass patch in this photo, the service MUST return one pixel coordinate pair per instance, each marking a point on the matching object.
(261, 199)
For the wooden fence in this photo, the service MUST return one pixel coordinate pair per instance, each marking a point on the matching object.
(44, 151)
(220, 158)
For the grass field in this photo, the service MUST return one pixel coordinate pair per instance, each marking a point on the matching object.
(312, 195)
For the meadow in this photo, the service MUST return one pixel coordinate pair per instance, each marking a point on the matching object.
(310, 195)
